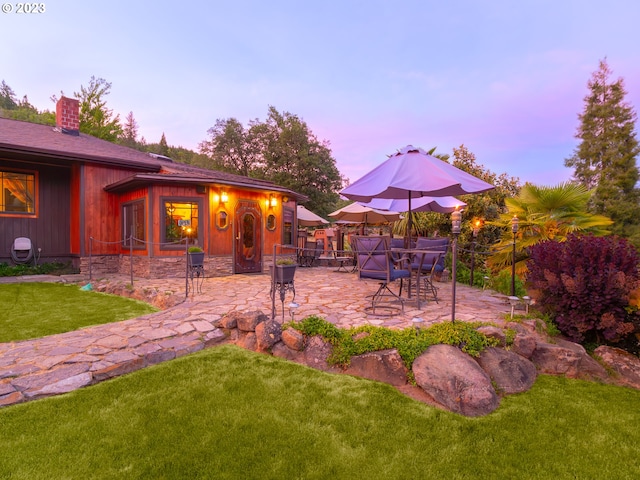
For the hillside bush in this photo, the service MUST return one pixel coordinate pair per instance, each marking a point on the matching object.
(585, 284)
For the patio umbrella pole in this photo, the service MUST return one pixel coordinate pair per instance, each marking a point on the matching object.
(407, 240)
(456, 218)
(273, 283)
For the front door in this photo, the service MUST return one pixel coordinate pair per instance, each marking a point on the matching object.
(247, 227)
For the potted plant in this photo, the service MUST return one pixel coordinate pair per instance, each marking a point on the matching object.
(196, 256)
(285, 269)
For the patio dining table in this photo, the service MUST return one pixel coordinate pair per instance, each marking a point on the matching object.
(406, 255)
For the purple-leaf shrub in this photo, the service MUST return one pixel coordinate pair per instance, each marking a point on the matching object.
(585, 283)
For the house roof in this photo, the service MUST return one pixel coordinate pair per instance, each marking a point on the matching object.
(35, 142)
(24, 139)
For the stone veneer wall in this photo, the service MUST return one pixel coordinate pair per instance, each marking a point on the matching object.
(154, 267)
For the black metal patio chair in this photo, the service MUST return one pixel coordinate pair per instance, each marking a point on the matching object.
(375, 262)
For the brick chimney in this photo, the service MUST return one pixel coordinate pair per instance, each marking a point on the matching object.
(67, 115)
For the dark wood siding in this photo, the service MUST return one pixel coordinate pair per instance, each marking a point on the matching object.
(49, 229)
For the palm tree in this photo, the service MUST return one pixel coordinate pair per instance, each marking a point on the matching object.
(544, 213)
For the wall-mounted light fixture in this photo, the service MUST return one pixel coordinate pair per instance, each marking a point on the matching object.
(224, 196)
(273, 201)
(285, 199)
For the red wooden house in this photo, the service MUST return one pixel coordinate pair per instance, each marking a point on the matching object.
(75, 197)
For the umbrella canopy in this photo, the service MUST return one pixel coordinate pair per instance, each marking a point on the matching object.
(356, 213)
(413, 173)
(422, 204)
(307, 218)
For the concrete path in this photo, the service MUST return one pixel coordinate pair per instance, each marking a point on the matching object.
(61, 363)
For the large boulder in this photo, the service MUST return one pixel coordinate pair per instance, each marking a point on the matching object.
(625, 364)
(383, 365)
(567, 358)
(247, 340)
(248, 321)
(556, 359)
(455, 380)
(268, 333)
(316, 354)
(490, 331)
(293, 339)
(510, 372)
(524, 344)
(281, 350)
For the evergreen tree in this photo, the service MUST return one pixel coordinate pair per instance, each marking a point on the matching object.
(605, 159)
(164, 146)
(129, 135)
(7, 97)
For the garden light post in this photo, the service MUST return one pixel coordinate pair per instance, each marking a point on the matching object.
(476, 229)
(514, 229)
(456, 217)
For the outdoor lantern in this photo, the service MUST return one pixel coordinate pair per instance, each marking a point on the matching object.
(476, 228)
(456, 219)
(273, 201)
(292, 310)
(527, 302)
(514, 224)
(418, 323)
(224, 197)
(513, 300)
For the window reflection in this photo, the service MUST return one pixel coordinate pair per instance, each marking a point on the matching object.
(17, 192)
(223, 220)
(181, 220)
(248, 235)
(271, 222)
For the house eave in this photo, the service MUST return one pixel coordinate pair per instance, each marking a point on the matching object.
(143, 180)
(34, 154)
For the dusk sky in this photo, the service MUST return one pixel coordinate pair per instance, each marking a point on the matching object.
(505, 78)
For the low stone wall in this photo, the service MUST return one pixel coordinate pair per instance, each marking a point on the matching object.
(445, 375)
(153, 267)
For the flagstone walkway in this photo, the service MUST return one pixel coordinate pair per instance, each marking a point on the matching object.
(61, 363)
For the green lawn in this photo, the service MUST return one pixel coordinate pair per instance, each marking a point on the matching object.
(229, 413)
(32, 310)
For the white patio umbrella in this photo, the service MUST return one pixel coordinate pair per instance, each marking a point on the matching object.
(356, 213)
(412, 173)
(422, 204)
(307, 218)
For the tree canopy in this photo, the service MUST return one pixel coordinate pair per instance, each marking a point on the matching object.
(95, 118)
(281, 149)
(11, 107)
(605, 159)
(483, 207)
